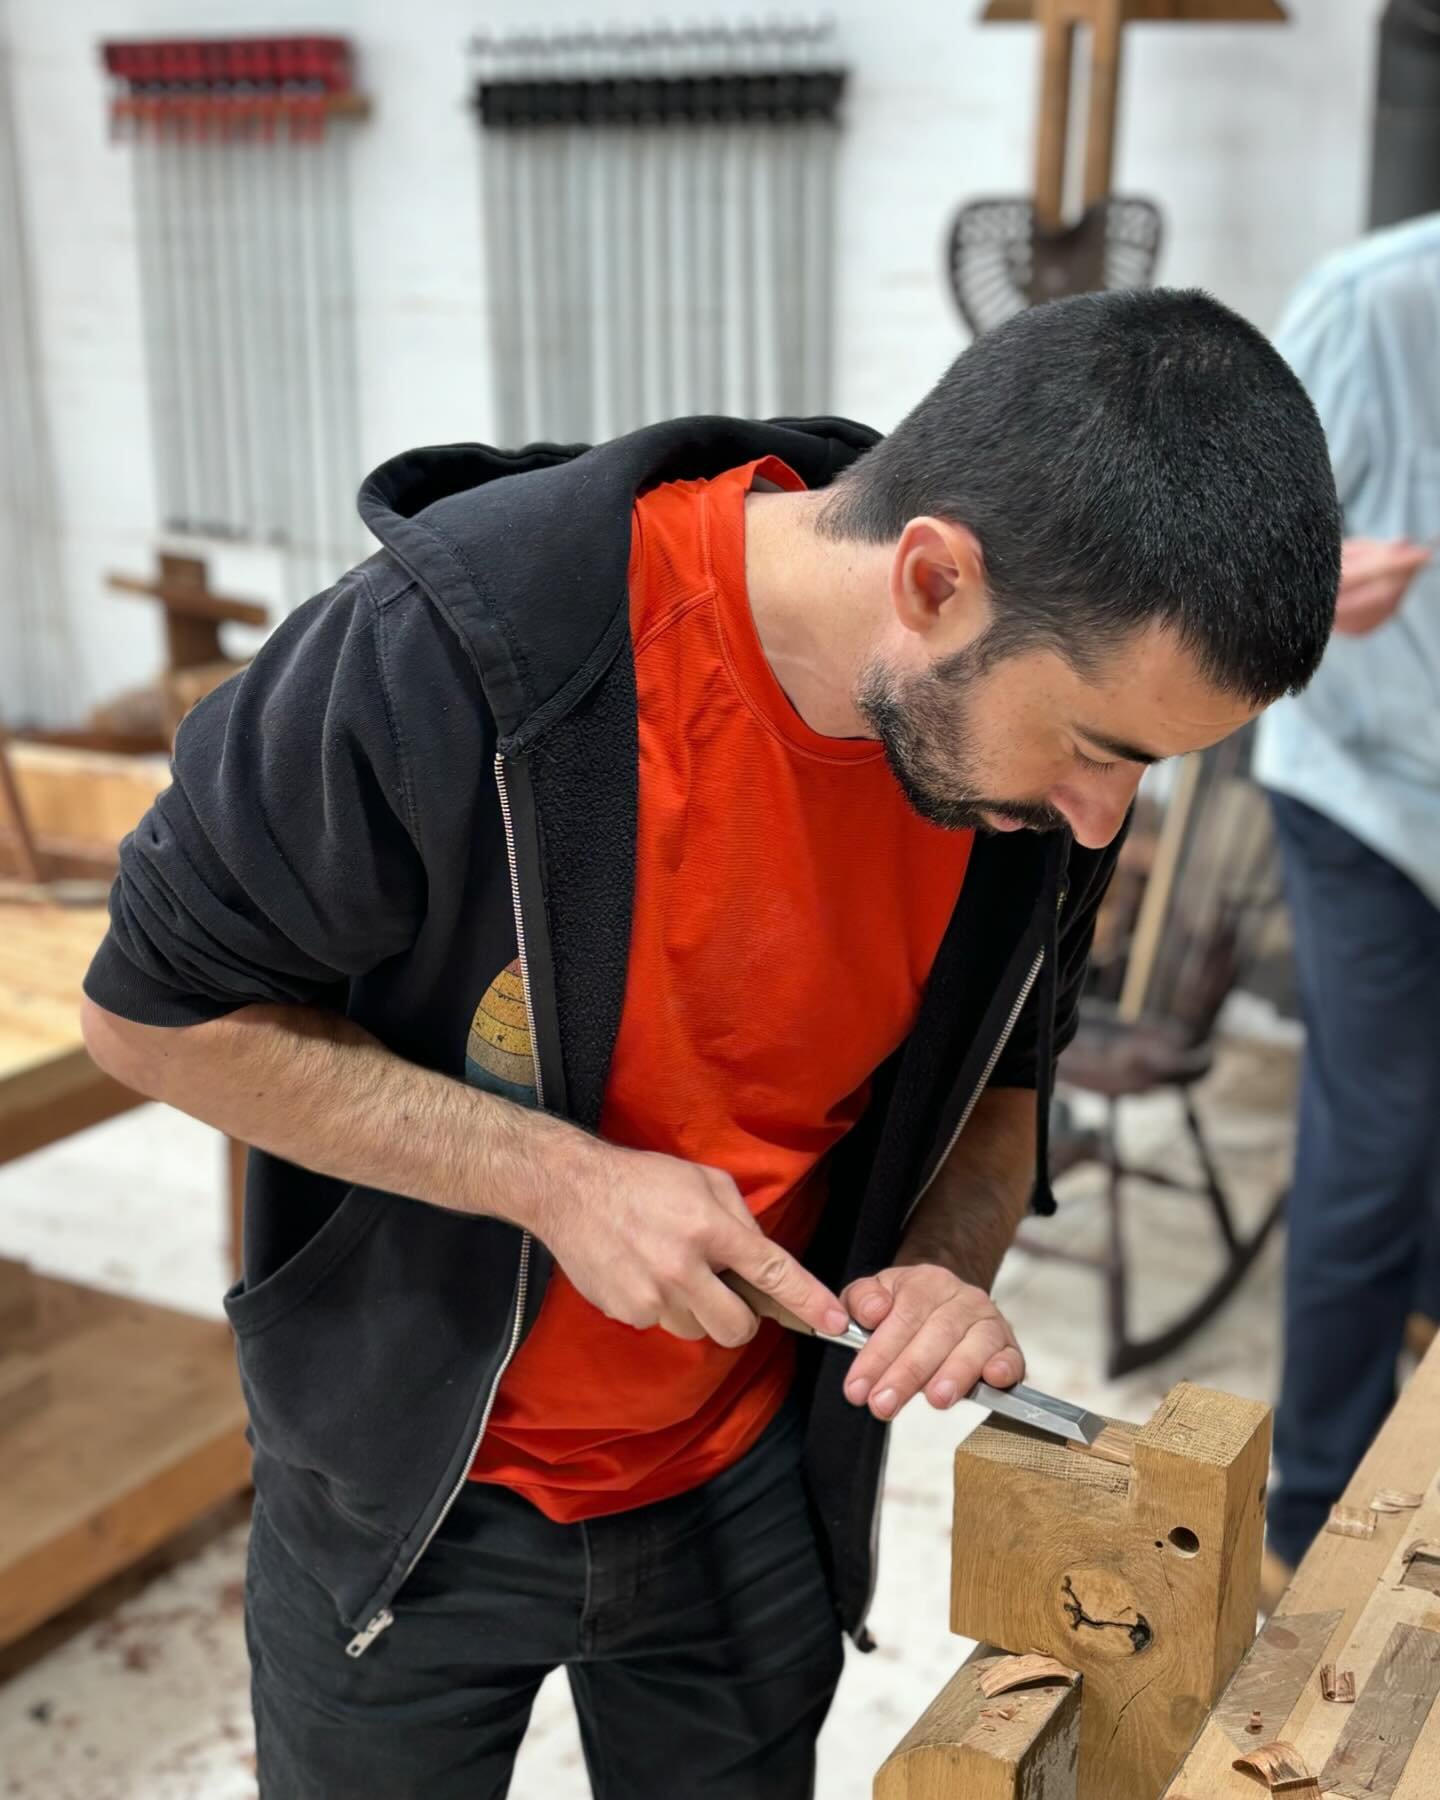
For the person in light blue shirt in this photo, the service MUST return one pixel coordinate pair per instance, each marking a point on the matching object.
(1353, 768)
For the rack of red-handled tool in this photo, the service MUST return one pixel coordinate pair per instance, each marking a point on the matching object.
(227, 87)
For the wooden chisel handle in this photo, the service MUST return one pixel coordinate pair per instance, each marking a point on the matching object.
(769, 1308)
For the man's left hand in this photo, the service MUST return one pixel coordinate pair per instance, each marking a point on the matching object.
(929, 1330)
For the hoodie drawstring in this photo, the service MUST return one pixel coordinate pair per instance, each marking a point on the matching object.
(1043, 1199)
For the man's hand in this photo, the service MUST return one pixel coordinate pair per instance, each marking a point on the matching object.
(641, 1236)
(929, 1330)
(1374, 577)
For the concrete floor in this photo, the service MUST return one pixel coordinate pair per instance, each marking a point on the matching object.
(148, 1702)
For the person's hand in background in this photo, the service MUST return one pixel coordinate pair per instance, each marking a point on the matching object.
(1374, 577)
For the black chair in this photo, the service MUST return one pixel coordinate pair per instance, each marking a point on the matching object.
(1212, 896)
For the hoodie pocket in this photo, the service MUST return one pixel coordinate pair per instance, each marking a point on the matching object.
(365, 1358)
(254, 1309)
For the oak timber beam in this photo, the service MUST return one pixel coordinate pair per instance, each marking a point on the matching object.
(1022, 1745)
(1140, 1567)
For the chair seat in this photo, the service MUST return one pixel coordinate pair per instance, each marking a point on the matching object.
(1113, 1056)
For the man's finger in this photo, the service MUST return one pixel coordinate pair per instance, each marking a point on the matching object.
(681, 1323)
(780, 1277)
(956, 1376)
(868, 1300)
(961, 1364)
(921, 1359)
(887, 1342)
(721, 1313)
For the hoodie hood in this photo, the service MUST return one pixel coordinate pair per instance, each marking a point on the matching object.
(526, 552)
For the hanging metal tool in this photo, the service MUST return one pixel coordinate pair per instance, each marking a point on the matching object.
(650, 245)
(247, 289)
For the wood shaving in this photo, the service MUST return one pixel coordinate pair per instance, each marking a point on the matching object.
(997, 1712)
(1339, 1687)
(1024, 1671)
(1350, 1521)
(1112, 1446)
(1255, 1723)
(1393, 1500)
(1425, 1550)
(1280, 1767)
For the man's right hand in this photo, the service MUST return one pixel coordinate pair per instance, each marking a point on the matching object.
(1374, 577)
(642, 1235)
(639, 1234)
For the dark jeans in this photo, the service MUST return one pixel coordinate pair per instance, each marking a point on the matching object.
(698, 1636)
(1364, 1243)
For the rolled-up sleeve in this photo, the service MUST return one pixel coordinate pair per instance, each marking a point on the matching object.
(284, 858)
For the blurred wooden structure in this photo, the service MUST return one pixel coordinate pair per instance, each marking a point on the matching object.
(65, 809)
(1072, 236)
(195, 661)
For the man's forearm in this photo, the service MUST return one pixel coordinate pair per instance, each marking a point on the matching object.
(969, 1217)
(314, 1088)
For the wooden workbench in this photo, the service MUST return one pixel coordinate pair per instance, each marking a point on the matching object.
(1357, 1604)
(143, 1431)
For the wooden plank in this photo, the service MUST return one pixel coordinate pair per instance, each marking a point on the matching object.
(48, 1085)
(1275, 1673)
(24, 1386)
(84, 801)
(15, 818)
(1145, 1577)
(1023, 1746)
(237, 1155)
(1360, 1583)
(19, 1310)
(1106, 37)
(143, 1432)
(1052, 119)
(1382, 1728)
(54, 1099)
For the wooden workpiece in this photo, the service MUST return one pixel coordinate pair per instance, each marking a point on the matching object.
(1356, 1606)
(1143, 1575)
(1021, 1745)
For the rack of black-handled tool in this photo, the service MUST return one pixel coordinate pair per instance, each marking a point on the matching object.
(754, 97)
(658, 210)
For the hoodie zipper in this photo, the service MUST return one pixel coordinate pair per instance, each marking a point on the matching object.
(385, 1617)
(1012, 1019)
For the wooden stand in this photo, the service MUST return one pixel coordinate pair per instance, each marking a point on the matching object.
(1024, 1746)
(1365, 1605)
(126, 1421)
(1140, 1567)
(142, 1431)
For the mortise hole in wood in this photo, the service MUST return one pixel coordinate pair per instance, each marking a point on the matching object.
(1184, 1540)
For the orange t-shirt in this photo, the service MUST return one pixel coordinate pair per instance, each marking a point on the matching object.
(788, 907)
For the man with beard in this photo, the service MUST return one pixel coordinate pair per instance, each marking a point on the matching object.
(664, 859)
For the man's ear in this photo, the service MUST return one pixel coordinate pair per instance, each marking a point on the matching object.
(937, 581)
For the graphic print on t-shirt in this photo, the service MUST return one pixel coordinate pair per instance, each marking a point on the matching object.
(498, 1053)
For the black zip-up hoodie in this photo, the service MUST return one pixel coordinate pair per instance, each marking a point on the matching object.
(428, 771)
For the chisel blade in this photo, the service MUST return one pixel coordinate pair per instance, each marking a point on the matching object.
(1026, 1405)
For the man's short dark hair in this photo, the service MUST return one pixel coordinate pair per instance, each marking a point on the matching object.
(1125, 459)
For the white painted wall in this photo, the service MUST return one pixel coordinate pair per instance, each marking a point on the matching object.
(1253, 138)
